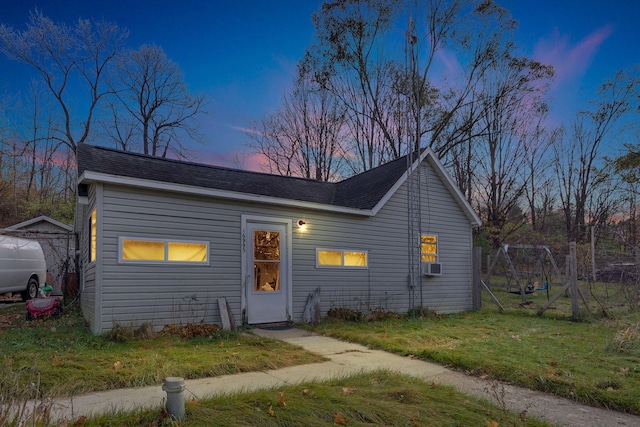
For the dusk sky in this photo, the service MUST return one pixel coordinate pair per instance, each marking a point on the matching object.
(242, 54)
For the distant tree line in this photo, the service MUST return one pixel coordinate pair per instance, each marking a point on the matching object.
(89, 87)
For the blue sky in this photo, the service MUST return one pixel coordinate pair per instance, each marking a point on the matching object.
(242, 54)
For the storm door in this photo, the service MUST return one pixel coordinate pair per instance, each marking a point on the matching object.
(267, 281)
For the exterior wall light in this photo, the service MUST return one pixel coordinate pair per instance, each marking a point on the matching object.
(302, 225)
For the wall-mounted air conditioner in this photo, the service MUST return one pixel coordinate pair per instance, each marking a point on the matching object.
(431, 269)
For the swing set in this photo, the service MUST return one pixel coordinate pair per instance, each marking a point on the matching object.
(523, 269)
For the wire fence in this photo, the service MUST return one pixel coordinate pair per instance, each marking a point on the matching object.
(608, 277)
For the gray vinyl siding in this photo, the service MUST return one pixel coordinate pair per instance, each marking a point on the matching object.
(165, 294)
(168, 293)
(450, 292)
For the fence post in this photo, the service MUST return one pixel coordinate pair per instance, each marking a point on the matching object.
(573, 277)
(488, 269)
(476, 290)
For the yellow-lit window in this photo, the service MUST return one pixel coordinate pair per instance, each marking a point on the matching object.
(355, 259)
(337, 258)
(161, 251)
(429, 248)
(142, 250)
(93, 242)
(329, 258)
(187, 252)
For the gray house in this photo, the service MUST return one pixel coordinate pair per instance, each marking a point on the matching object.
(161, 240)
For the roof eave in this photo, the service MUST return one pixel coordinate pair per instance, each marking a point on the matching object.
(38, 219)
(89, 176)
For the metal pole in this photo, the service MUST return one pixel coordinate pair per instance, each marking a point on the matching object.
(573, 265)
(476, 292)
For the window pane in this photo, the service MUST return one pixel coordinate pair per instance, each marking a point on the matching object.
(266, 245)
(267, 276)
(187, 252)
(329, 258)
(92, 237)
(429, 249)
(355, 259)
(142, 250)
(428, 239)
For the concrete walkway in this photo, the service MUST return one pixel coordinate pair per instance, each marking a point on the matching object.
(345, 359)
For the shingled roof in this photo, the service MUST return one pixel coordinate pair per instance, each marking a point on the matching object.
(363, 191)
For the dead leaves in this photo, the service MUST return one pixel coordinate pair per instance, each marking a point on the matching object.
(190, 330)
(339, 420)
(57, 361)
(80, 421)
(272, 411)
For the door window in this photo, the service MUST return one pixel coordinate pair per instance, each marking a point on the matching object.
(266, 261)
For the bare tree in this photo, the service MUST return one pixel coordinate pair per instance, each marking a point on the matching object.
(578, 162)
(33, 162)
(303, 137)
(388, 83)
(350, 61)
(628, 164)
(628, 167)
(511, 103)
(539, 192)
(154, 105)
(63, 56)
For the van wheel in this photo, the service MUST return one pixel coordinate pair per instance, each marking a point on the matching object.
(31, 291)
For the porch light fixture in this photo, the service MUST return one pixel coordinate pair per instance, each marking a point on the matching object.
(302, 225)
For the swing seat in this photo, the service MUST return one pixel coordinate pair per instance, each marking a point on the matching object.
(543, 288)
(526, 291)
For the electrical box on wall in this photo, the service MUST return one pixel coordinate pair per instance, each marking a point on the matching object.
(431, 269)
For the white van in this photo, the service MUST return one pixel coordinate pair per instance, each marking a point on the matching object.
(22, 266)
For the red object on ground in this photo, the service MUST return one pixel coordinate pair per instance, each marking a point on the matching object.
(41, 307)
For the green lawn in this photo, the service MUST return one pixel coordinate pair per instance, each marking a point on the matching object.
(71, 360)
(60, 357)
(594, 360)
(373, 399)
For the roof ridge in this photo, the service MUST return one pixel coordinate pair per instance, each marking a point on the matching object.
(204, 165)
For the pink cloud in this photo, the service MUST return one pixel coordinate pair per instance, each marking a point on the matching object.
(232, 159)
(450, 61)
(570, 61)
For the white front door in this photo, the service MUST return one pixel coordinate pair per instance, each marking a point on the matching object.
(267, 282)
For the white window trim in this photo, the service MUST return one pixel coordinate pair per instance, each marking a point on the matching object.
(437, 254)
(166, 251)
(342, 251)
